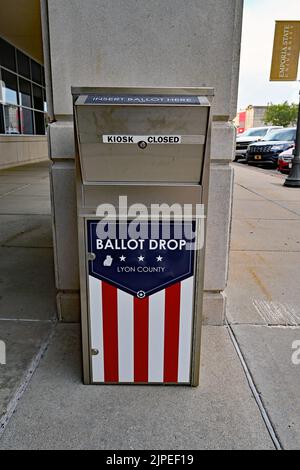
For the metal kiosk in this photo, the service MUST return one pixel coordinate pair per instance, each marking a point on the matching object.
(141, 290)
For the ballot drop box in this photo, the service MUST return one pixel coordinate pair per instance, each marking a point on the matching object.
(142, 168)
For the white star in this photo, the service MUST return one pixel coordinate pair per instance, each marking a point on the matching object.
(159, 258)
(122, 258)
(141, 258)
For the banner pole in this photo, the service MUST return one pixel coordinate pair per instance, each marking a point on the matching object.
(293, 180)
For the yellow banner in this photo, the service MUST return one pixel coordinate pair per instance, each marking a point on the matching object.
(286, 51)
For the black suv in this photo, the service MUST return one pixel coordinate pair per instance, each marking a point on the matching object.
(267, 150)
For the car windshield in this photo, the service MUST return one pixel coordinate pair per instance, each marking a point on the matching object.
(283, 135)
(254, 133)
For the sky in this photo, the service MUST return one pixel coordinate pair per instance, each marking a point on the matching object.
(256, 53)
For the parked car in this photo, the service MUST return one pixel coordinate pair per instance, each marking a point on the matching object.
(285, 160)
(248, 137)
(266, 152)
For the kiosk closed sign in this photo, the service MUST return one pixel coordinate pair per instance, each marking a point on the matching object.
(136, 139)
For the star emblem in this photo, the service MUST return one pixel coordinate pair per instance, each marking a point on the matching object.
(122, 258)
(141, 258)
(159, 259)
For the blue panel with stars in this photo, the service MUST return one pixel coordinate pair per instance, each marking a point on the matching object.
(144, 258)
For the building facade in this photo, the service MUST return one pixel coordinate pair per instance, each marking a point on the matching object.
(144, 43)
(23, 109)
(252, 116)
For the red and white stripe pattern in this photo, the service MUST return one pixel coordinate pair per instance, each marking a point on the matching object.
(141, 340)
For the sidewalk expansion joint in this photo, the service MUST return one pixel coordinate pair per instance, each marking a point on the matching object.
(265, 251)
(267, 325)
(26, 246)
(265, 416)
(40, 214)
(29, 320)
(15, 190)
(270, 200)
(11, 408)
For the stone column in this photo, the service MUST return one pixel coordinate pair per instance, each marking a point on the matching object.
(143, 43)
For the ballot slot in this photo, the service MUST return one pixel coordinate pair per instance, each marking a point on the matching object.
(141, 143)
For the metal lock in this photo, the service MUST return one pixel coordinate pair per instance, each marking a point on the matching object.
(142, 144)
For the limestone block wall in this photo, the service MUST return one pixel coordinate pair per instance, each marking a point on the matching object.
(142, 43)
(16, 150)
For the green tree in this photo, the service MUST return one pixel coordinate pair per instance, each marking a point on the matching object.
(284, 114)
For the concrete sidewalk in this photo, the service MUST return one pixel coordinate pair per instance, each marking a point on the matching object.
(27, 289)
(263, 292)
(58, 412)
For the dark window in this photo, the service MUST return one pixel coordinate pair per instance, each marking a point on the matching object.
(26, 121)
(23, 64)
(23, 104)
(9, 87)
(45, 102)
(25, 93)
(283, 135)
(2, 128)
(12, 120)
(7, 55)
(255, 133)
(38, 99)
(36, 72)
(39, 123)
